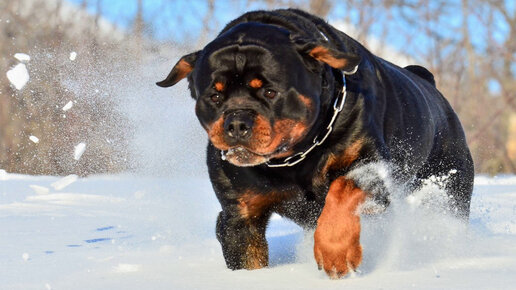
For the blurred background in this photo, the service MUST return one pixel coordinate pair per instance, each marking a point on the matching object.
(81, 97)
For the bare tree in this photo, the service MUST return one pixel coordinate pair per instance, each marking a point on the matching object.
(36, 109)
(473, 60)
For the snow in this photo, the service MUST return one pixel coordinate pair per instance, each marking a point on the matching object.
(68, 106)
(73, 55)
(127, 268)
(134, 232)
(34, 139)
(39, 189)
(18, 76)
(22, 57)
(64, 182)
(79, 150)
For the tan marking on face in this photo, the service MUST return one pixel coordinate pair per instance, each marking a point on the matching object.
(219, 86)
(256, 83)
(306, 101)
(265, 140)
(216, 134)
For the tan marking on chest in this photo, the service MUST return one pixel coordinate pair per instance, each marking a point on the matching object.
(252, 204)
(345, 159)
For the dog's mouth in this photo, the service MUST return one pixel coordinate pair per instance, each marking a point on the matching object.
(267, 141)
(244, 157)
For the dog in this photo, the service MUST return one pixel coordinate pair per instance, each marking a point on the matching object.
(300, 117)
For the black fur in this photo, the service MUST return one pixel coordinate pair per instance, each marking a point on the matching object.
(400, 116)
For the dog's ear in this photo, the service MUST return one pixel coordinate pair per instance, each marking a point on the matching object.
(181, 70)
(347, 62)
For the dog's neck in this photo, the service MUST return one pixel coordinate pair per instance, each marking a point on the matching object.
(318, 135)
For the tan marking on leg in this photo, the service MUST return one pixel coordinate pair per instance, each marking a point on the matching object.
(257, 253)
(253, 205)
(337, 236)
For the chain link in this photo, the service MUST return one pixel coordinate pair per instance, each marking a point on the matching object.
(337, 108)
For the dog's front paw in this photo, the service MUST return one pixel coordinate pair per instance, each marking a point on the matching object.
(336, 254)
(337, 247)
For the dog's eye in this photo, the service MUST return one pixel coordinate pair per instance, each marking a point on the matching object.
(270, 94)
(216, 98)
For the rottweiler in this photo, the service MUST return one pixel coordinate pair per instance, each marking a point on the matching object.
(305, 122)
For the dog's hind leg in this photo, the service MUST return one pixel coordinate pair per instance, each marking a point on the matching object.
(455, 173)
(459, 185)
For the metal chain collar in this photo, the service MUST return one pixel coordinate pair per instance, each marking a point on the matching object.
(337, 108)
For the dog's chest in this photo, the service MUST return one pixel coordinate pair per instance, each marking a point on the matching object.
(294, 198)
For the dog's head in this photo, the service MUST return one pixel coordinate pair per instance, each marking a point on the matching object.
(257, 89)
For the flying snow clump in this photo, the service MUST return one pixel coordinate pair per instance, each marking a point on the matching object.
(22, 56)
(18, 76)
(68, 106)
(79, 150)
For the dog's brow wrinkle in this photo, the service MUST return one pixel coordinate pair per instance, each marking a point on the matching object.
(240, 62)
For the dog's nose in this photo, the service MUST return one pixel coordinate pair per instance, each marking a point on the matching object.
(238, 125)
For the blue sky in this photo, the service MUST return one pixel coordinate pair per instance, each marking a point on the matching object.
(182, 21)
(164, 13)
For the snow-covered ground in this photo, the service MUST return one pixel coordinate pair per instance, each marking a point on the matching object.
(133, 232)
